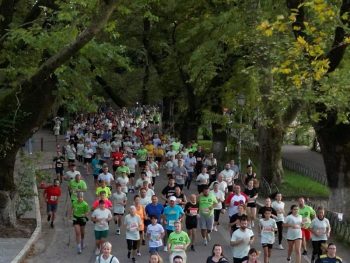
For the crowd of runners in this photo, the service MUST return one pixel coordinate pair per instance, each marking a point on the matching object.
(125, 152)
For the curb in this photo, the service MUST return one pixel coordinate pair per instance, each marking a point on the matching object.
(35, 236)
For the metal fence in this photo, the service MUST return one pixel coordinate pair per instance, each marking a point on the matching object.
(307, 171)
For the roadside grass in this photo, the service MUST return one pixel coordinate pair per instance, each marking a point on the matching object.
(294, 184)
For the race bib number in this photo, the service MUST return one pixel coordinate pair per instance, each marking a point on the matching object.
(179, 177)
(59, 165)
(193, 211)
(116, 162)
(155, 237)
(178, 247)
(134, 227)
(171, 223)
(199, 159)
(53, 198)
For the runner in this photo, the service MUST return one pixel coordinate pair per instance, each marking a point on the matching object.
(96, 164)
(250, 175)
(218, 208)
(71, 173)
(253, 256)
(234, 200)
(141, 155)
(101, 217)
(123, 180)
(102, 196)
(154, 208)
(155, 234)
(307, 213)
(140, 211)
(119, 202)
(241, 240)
(191, 222)
(228, 176)
(106, 256)
(180, 174)
(132, 223)
(80, 211)
(58, 164)
(320, 232)
(189, 163)
(202, 180)
(144, 199)
(293, 223)
(76, 186)
(235, 219)
(51, 195)
(131, 162)
(106, 176)
(178, 242)
(331, 256)
(169, 190)
(103, 187)
(206, 201)
(88, 154)
(217, 255)
(181, 199)
(252, 194)
(267, 227)
(278, 205)
(171, 213)
(155, 258)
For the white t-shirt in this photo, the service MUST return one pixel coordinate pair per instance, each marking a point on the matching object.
(107, 149)
(169, 166)
(100, 259)
(202, 179)
(131, 163)
(267, 230)
(241, 250)
(228, 176)
(123, 181)
(235, 201)
(88, 152)
(156, 232)
(320, 227)
(103, 216)
(71, 175)
(145, 201)
(293, 233)
(80, 149)
(279, 207)
(118, 200)
(220, 197)
(108, 177)
(132, 227)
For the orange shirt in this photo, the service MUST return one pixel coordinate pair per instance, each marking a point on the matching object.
(140, 211)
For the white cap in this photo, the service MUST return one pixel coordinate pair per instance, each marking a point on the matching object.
(172, 198)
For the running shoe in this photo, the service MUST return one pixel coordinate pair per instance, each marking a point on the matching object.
(138, 254)
(48, 217)
(117, 232)
(129, 254)
(143, 242)
(51, 225)
(133, 259)
(192, 248)
(209, 237)
(205, 242)
(280, 247)
(288, 260)
(79, 249)
(304, 253)
(165, 248)
(215, 229)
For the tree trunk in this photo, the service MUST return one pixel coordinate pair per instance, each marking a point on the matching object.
(219, 132)
(8, 195)
(270, 155)
(146, 45)
(334, 141)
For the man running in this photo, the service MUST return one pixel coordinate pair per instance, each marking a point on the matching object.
(51, 194)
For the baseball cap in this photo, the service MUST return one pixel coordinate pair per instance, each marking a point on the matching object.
(172, 198)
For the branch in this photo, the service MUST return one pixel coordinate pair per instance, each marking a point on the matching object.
(50, 65)
(291, 113)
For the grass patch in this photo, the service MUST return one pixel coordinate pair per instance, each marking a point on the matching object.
(296, 185)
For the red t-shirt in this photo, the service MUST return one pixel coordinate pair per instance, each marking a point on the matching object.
(108, 203)
(52, 194)
(117, 157)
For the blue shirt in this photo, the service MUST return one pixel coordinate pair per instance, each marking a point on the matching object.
(172, 214)
(156, 210)
(95, 163)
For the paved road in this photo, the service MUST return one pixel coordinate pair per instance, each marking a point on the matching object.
(58, 244)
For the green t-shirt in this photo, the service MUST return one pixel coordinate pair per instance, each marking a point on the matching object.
(176, 146)
(123, 169)
(75, 186)
(80, 208)
(106, 189)
(177, 241)
(205, 202)
(142, 154)
(306, 213)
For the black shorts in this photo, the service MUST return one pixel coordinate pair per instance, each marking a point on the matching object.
(132, 244)
(217, 213)
(87, 160)
(51, 208)
(118, 214)
(191, 222)
(240, 260)
(131, 175)
(81, 221)
(59, 170)
(267, 245)
(251, 205)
